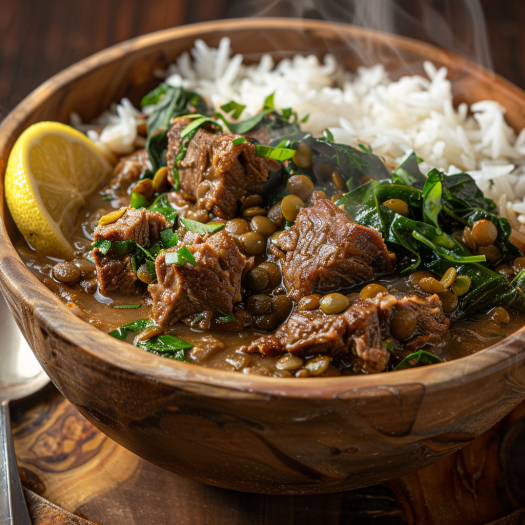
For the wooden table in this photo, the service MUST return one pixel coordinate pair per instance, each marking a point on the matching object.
(63, 459)
(70, 463)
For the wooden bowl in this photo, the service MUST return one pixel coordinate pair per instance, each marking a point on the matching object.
(243, 432)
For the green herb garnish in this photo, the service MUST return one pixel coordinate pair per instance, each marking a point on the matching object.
(328, 135)
(138, 201)
(196, 124)
(419, 358)
(126, 306)
(287, 113)
(123, 247)
(235, 107)
(239, 140)
(123, 331)
(169, 238)
(200, 228)
(268, 101)
(102, 246)
(161, 205)
(280, 154)
(227, 317)
(166, 346)
(146, 252)
(180, 256)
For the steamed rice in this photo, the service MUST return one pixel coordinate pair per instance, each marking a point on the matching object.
(413, 113)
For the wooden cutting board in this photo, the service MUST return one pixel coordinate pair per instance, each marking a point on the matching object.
(73, 471)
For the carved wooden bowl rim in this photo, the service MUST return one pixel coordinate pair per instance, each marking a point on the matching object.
(16, 279)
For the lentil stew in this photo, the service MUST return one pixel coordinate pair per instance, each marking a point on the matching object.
(253, 246)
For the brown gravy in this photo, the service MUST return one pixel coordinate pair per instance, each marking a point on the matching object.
(218, 349)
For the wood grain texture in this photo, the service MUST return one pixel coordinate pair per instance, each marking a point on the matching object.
(257, 434)
(67, 461)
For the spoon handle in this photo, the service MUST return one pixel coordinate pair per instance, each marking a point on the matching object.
(13, 507)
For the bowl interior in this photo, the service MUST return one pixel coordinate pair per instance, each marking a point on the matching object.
(127, 70)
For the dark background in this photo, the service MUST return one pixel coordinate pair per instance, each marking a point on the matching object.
(38, 38)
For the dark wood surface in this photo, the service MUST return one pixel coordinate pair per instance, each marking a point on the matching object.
(40, 38)
(65, 460)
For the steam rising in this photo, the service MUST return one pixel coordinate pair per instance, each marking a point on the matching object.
(455, 25)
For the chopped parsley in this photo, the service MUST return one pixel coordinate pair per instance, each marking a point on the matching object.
(227, 318)
(166, 346)
(102, 246)
(280, 154)
(169, 238)
(235, 107)
(123, 331)
(180, 256)
(200, 228)
(138, 201)
(126, 306)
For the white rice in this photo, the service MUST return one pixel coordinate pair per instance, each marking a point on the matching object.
(413, 113)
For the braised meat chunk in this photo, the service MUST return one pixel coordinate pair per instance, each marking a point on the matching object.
(115, 272)
(215, 281)
(360, 331)
(215, 171)
(129, 169)
(327, 251)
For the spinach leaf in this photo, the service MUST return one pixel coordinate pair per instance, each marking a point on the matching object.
(195, 125)
(123, 247)
(235, 107)
(280, 154)
(365, 205)
(161, 205)
(169, 238)
(180, 256)
(408, 172)
(122, 332)
(227, 318)
(200, 228)
(432, 198)
(138, 201)
(239, 128)
(419, 358)
(351, 163)
(154, 97)
(157, 146)
(487, 289)
(461, 192)
(268, 101)
(166, 346)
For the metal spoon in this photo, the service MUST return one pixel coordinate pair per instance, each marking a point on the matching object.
(20, 375)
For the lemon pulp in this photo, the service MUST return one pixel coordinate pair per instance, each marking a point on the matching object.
(51, 171)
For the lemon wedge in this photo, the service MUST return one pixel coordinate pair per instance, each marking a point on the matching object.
(51, 171)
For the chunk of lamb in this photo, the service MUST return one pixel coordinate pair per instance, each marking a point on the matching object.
(215, 171)
(115, 272)
(360, 331)
(215, 282)
(129, 169)
(327, 251)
